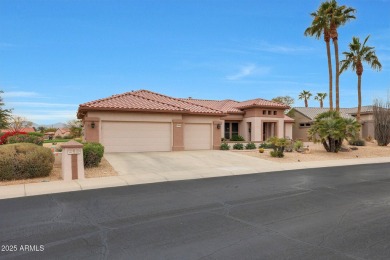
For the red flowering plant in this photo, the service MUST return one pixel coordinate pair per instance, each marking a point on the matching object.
(4, 137)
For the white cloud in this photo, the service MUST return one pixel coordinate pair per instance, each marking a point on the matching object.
(249, 70)
(39, 104)
(47, 116)
(20, 94)
(267, 47)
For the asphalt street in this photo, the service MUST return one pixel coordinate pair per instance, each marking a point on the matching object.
(327, 213)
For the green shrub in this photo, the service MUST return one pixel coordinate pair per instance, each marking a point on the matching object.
(298, 145)
(237, 138)
(36, 134)
(357, 142)
(24, 160)
(93, 153)
(238, 147)
(250, 146)
(23, 138)
(58, 137)
(68, 137)
(278, 154)
(224, 146)
(266, 145)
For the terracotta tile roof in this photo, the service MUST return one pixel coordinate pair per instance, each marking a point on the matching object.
(227, 105)
(259, 102)
(288, 119)
(144, 100)
(312, 112)
(232, 106)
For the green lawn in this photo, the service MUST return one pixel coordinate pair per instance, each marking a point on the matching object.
(56, 141)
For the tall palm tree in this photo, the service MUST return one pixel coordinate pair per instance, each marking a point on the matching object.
(305, 95)
(320, 97)
(338, 15)
(354, 58)
(320, 25)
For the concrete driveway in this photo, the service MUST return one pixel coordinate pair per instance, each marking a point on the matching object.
(185, 165)
(138, 168)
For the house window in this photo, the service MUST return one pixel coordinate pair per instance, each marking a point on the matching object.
(304, 124)
(275, 113)
(269, 112)
(231, 129)
(264, 112)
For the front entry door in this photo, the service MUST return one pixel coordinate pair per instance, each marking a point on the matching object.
(269, 130)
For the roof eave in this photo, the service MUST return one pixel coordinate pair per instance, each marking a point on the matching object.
(82, 111)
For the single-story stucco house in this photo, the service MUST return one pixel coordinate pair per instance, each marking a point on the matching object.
(62, 132)
(142, 120)
(304, 118)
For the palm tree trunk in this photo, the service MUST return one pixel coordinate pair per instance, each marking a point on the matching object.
(306, 103)
(330, 75)
(321, 103)
(359, 98)
(336, 54)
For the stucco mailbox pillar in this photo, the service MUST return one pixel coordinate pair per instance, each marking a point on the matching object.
(72, 161)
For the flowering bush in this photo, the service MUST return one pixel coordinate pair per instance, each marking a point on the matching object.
(4, 137)
(23, 138)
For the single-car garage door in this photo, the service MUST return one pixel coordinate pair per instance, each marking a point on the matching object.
(197, 136)
(136, 136)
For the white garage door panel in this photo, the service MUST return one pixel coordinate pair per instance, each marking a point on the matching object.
(136, 137)
(197, 136)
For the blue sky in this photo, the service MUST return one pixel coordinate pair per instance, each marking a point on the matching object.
(57, 54)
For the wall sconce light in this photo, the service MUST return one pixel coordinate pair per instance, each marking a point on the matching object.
(93, 124)
(218, 126)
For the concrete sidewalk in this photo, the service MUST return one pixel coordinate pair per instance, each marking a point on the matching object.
(31, 189)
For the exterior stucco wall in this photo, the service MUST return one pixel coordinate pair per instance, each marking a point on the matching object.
(258, 112)
(367, 117)
(368, 129)
(288, 130)
(199, 119)
(257, 127)
(298, 132)
(134, 116)
(244, 127)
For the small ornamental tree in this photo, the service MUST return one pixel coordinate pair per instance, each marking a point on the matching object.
(279, 145)
(330, 129)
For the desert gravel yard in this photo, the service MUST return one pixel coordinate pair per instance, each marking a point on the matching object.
(318, 153)
(105, 169)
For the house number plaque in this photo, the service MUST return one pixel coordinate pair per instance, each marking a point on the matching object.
(74, 151)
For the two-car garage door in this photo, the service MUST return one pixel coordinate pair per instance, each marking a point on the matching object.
(152, 137)
(136, 136)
